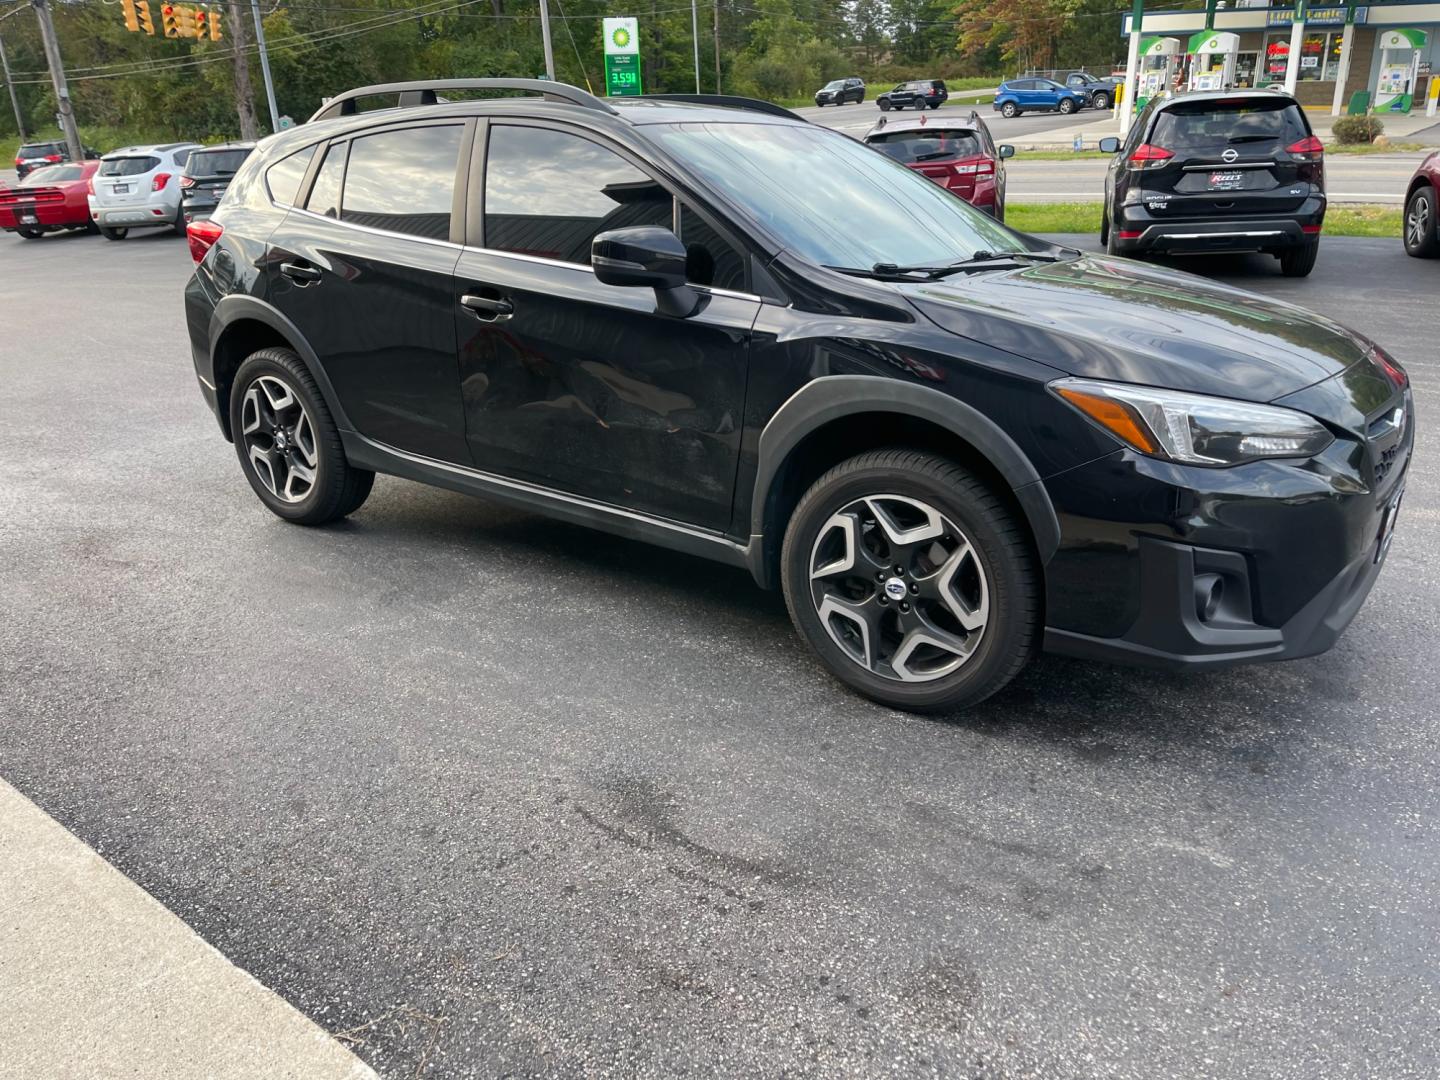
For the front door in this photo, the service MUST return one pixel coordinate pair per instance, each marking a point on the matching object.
(365, 270)
(584, 387)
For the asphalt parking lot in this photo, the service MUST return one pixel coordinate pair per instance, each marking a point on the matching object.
(496, 796)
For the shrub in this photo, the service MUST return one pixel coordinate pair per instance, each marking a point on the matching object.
(1357, 129)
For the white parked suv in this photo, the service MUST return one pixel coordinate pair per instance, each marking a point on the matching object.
(138, 188)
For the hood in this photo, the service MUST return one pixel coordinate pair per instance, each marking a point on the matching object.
(1104, 318)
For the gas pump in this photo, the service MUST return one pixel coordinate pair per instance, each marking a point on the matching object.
(1159, 60)
(1399, 69)
(1214, 65)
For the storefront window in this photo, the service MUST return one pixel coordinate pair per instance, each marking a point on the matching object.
(1319, 56)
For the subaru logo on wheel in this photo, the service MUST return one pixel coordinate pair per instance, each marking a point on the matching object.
(895, 589)
(1230, 155)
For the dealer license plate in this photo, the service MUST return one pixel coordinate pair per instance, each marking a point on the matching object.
(121, 189)
(1227, 181)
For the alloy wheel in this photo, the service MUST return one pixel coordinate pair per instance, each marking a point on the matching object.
(899, 588)
(279, 439)
(1417, 222)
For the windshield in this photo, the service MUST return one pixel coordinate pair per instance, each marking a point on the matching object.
(40, 150)
(836, 85)
(54, 174)
(216, 162)
(835, 201)
(927, 144)
(1212, 126)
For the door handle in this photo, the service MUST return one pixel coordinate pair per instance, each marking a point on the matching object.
(299, 272)
(488, 308)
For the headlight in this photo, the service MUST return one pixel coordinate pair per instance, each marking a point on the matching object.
(1194, 428)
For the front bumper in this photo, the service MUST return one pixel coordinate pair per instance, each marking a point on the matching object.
(1190, 568)
(1162, 233)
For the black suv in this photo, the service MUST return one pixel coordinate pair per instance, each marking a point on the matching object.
(947, 442)
(37, 155)
(1099, 93)
(917, 94)
(207, 174)
(839, 91)
(1231, 170)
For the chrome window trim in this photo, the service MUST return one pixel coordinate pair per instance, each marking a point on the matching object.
(711, 289)
(371, 229)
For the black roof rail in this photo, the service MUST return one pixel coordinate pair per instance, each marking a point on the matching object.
(426, 92)
(729, 101)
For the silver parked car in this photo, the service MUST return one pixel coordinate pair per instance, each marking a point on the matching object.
(139, 188)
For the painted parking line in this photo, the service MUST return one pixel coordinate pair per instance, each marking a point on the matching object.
(98, 979)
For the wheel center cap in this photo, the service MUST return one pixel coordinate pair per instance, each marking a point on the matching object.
(281, 440)
(894, 588)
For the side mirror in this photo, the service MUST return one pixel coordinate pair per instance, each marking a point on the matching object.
(646, 256)
(1006, 150)
(1110, 145)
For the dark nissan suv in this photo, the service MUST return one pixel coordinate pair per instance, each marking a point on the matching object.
(1232, 170)
(207, 174)
(947, 442)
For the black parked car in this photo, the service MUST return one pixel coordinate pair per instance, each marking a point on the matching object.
(207, 174)
(917, 94)
(947, 442)
(37, 155)
(1099, 92)
(1229, 170)
(839, 91)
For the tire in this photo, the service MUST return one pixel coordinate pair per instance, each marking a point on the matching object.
(1105, 230)
(114, 234)
(966, 542)
(1422, 240)
(1009, 111)
(1112, 240)
(179, 223)
(884, 104)
(1100, 101)
(1067, 106)
(285, 394)
(30, 234)
(1299, 261)
(91, 229)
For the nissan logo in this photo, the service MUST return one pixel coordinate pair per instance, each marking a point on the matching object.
(1230, 155)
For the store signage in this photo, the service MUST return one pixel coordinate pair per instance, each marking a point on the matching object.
(622, 57)
(1324, 16)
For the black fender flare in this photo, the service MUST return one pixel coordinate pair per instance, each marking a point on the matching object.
(237, 306)
(831, 397)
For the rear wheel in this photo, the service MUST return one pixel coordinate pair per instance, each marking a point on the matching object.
(1100, 101)
(911, 580)
(884, 104)
(1008, 110)
(287, 442)
(1421, 238)
(179, 223)
(1299, 261)
(114, 234)
(1067, 106)
(30, 234)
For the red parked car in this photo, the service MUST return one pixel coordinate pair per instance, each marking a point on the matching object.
(49, 200)
(1422, 210)
(959, 155)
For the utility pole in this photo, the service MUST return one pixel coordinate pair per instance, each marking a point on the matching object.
(57, 79)
(264, 67)
(717, 46)
(695, 40)
(545, 40)
(244, 97)
(9, 85)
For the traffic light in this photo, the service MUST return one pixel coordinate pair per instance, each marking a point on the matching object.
(215, 34)
(201, 30)
(170, 20)
(131, 22)
(142, 9)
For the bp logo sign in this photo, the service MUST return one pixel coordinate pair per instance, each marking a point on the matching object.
(622, 57)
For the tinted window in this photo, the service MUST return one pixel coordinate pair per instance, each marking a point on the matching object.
(927, 144)
(283, 178)
(325, 194)
(128, 166)
(403, 181)
(709, 257)
(54, 174)
(548, 193)
(836, 85)
(217, 162)
(181, 157)
(1213, 126)
(41, 149)
(791, 178)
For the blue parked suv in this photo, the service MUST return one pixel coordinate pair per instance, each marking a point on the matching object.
(1036, 95)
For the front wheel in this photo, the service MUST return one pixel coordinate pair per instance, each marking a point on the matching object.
(1067, 106)
(912, 581)
(1009, 111)
(287, 442)
(114, 234)
(1100, 101)
(1299, 261)
(1421, 238)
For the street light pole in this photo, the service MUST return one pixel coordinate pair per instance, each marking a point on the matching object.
(265, 66)
(10, 85)
(57, 80)
(545, 40)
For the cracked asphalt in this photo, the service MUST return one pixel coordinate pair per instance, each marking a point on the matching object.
(493, 796)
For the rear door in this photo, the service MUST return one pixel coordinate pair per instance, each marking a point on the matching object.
(1232, 156)
(364, 270)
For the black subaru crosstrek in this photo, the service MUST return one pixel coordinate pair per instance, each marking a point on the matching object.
(947, 442)
(1222, 171)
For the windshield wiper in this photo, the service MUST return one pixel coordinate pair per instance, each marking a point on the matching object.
(981, 260)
